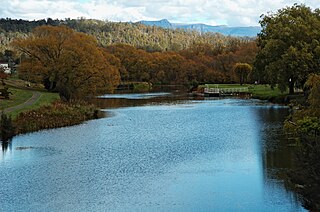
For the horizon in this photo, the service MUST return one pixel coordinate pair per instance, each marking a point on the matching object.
(231, 13)
(163, 19)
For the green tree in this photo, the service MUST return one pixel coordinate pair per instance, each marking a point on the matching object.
(66, 61)
(242, 70)
(313, 86)
(289, 46)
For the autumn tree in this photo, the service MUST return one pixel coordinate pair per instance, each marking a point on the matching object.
(66, 61)
(289, 46)
(242, 70)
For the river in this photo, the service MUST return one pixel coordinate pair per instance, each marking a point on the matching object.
(154, 153)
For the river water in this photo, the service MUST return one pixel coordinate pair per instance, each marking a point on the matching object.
(154, 153)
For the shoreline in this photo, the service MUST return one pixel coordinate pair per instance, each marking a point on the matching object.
(87, 112)
(57, 115)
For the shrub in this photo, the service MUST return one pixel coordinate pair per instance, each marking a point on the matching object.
(58, 114)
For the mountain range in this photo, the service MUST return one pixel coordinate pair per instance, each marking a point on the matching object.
(250, 31)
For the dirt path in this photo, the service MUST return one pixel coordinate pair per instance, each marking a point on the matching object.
(35, 97)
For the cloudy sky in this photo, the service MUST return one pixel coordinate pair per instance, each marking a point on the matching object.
(214, 12)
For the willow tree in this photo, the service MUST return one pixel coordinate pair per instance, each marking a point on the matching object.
(289, 46)
(66, 61)
(242, 70)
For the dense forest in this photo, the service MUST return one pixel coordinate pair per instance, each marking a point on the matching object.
(149, 38)
(150, 54)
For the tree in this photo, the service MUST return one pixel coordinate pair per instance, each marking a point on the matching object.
(242, 70)
(289, 46)
(66, 61)
(313, 85)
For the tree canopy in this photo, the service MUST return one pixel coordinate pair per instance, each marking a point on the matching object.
(289, 46)
(66, 61)
(149, 38)
(201, 63)
(242, 70)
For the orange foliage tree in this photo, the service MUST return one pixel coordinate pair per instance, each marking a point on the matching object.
(67, 61)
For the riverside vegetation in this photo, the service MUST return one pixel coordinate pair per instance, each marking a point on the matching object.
(289, 56)
(286, 54)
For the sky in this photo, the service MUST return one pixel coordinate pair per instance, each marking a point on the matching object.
(212, 12)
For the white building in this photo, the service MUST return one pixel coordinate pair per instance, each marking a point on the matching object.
(6, 68)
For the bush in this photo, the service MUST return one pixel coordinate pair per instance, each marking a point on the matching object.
(58, 114)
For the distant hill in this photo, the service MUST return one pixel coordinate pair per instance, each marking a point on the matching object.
(166, 38)
(250, 31)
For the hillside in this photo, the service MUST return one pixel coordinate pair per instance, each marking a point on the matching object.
(203, 28)
(149, 38)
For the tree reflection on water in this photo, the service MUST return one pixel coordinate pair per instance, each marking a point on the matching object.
(278, 153)
(5, 145)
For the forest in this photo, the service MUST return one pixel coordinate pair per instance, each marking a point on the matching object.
(149, 38)
(147, 53)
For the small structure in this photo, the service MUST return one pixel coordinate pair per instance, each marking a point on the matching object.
(211, 92)
(217, 92)
(5, 67)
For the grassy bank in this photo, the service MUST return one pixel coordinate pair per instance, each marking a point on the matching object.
(46, 111)
(18, 96)
(57, 114)
(263, 92)
(46, 98)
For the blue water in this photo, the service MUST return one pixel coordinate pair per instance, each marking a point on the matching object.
(210, 155)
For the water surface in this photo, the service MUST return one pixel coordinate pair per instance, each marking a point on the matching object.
(156, 155)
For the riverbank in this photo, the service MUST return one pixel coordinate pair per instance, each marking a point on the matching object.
(58, 114)
(55, 115)
(262, 92)
(31, 109)
(45, 113)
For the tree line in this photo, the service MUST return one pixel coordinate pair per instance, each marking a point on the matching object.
(149, 38)
(75, 65)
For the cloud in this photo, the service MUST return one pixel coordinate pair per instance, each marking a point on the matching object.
(230, 12)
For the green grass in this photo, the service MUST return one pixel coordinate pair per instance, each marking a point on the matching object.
(265, 92)
(141, 87)
(19, 96)
(45, 99)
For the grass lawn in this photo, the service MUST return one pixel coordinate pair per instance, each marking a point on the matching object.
(265, 92)
(45, 99)
(19, 96)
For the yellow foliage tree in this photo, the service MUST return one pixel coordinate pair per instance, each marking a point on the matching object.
(242, 70)
(66, 61)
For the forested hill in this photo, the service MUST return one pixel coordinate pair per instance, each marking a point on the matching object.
(150, 38)
(250, 31)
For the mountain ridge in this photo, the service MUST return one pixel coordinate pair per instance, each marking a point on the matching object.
(250, 31)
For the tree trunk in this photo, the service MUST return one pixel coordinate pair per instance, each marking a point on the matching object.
(51, 86)
(291, 87)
